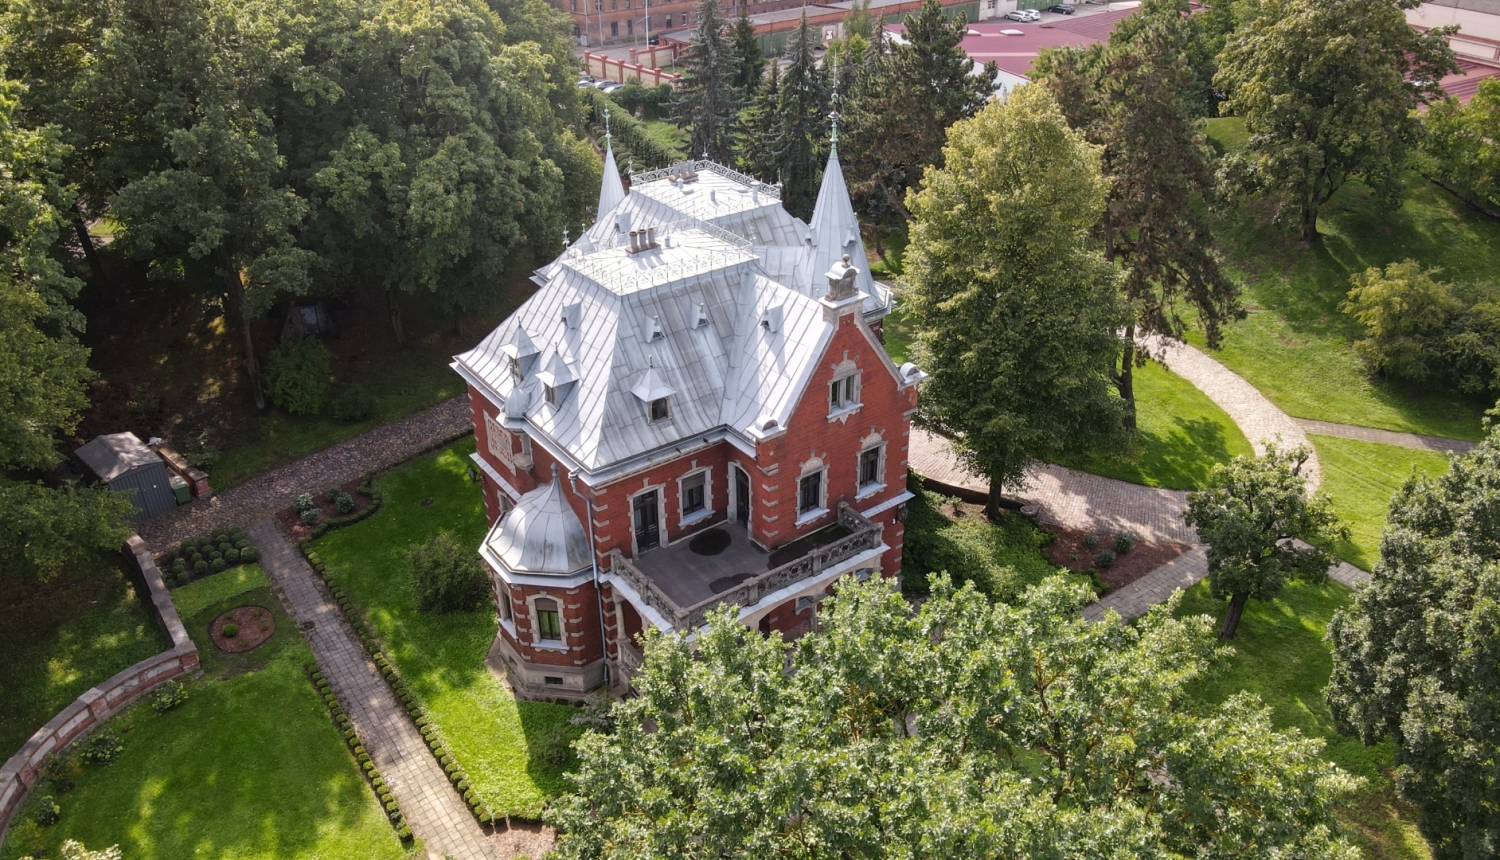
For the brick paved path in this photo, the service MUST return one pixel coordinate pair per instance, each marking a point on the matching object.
(434, 810)
(380, 448)
(1386, 437)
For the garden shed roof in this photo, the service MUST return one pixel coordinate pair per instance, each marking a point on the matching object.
(113, 455)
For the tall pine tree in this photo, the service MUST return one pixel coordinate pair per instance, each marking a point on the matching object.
(708, 99)
(758, 126)
(1130, 99)
(800, 145)
(750, 59)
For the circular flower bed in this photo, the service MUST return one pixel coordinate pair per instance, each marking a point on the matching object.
(242, 628)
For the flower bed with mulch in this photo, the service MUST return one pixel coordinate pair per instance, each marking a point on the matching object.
(253, 625)
(1070, 548)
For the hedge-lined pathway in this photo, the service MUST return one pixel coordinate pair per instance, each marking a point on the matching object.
(432, 807)
(374, 450)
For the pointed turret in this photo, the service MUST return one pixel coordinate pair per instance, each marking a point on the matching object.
(612, 189)
(833, 231)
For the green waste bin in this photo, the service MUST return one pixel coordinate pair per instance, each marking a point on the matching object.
(180, 489)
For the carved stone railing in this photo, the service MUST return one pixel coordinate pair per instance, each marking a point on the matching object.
(864, 535)
(631, 660)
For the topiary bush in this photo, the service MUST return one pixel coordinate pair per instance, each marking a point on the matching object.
(231, 556)
(250, 554)
(353, 403)
(1124, 543)
(297, 376)
(169, 696)
(447, 575)
(217, 565)
(1105, 559)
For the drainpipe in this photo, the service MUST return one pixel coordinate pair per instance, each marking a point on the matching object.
(588, 505)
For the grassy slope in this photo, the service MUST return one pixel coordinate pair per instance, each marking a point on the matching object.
(1295, 344)
(63, 636)
(1280, 655)
(1361, 477)
(249, 768)
(501, 743)
(1182, 435)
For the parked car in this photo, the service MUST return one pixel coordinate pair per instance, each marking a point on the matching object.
(611, 86)
(1024, 15)
(1063, 8)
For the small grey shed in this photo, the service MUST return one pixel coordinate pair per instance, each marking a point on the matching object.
(123, 462)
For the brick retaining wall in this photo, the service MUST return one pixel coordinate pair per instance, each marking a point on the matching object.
(98, 703)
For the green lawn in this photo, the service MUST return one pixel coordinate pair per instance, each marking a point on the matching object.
(666, 134)
(514, 752)
(249, 768)
(1295, 345)
(1182, 435)
(1280, 655)
(898, 333)
(192, 598)
(65, 635)
(1361, 477)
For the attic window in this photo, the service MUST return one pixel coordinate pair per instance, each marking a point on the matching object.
(515, 368)
(653, 329)
(549, 394)
(572, 315)
(702, 315)
(661, 410)
(771, 319)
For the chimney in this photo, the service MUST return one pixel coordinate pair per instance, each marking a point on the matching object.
(635, 241)
(650, 237)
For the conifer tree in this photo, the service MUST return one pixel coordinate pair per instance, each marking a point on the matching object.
(801, 139)
(900, 103)
(708, 100)
(751, 60)
(757, 128)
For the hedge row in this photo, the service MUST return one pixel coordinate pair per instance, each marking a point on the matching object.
(361, 756)
(434, 741)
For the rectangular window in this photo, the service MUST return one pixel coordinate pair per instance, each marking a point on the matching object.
(660, 409)
(506, 611)
(614, 5)
(842, 393)
(869, 467)
(630, 24)
(614, 28)
(693, 495)
(548, 624)
(549, 394)
(810, 495)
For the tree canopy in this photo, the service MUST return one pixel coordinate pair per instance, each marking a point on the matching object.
(708, 99)
(959, 729)
(785, 128)
(1258, 522)
(1415, 656)
(1328, 90)
(1459, 146)
(1016, 313)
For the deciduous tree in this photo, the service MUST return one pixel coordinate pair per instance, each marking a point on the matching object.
(1329, 91)
(1257, 518)
(1015, 311)
(1460, 148)
(1415, 657)
(960, 729)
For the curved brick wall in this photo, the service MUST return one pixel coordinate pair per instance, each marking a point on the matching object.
(98, 703)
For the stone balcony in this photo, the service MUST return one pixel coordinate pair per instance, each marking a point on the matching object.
(720, 567)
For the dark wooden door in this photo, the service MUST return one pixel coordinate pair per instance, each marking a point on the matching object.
(741, 497)
(647, 524)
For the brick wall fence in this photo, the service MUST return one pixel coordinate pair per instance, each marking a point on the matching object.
(601, 66)
(100, 702)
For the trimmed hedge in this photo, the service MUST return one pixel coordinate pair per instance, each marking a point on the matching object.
(361, 755)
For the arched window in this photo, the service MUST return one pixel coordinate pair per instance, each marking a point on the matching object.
(548, 621)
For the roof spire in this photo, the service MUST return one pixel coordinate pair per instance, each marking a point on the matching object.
(607, 136)
(612, 188)
(833, 139)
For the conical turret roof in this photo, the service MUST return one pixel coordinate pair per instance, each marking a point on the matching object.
(833, 231)
(612, 189)
(540, 535)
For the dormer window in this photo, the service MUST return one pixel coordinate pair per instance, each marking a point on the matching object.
(549, 394)
(515, 368)
(661, 409)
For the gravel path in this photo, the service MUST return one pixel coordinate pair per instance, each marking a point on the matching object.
(377, 449)
(436, 813)
(1386, 437)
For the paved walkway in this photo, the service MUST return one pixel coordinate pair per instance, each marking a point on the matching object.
(1386, 437)
(434, 810)
(377, 449)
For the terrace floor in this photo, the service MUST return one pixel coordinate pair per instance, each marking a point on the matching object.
(717, 559)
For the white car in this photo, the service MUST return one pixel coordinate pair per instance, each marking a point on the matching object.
(1024, 15)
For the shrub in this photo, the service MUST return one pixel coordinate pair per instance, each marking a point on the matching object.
(304, 503)
(215, 556)
(250, 553)
(446, 575)
(230, 630)
(297, 376)
(1104, 559)
(1124, 543)
(231, 556)
(102, 748)
(217, 565)
(59, 770)
(353, 403)
(554, 746)
(344, 502)
(169, 696)
(47, 811)
(180, 565)
(1090, 541)
(200, 566)
(311, 516)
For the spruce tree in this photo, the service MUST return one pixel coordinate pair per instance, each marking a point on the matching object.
(708, 100)
(757, 128)
(901, 101)
(751, 61)
(801, 139)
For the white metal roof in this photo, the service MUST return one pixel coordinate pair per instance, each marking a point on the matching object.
(541, 534)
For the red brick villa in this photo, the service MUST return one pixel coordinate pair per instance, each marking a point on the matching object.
(694, 410)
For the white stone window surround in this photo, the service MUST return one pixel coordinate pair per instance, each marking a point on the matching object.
(812, 467)
(507, 622)
(698, 516)
(661, 515)
(537, 641)
(872, 442)
(844, 401)
(499, 443)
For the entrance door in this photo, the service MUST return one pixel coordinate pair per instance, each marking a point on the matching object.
(741, 497)
(647, 526)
